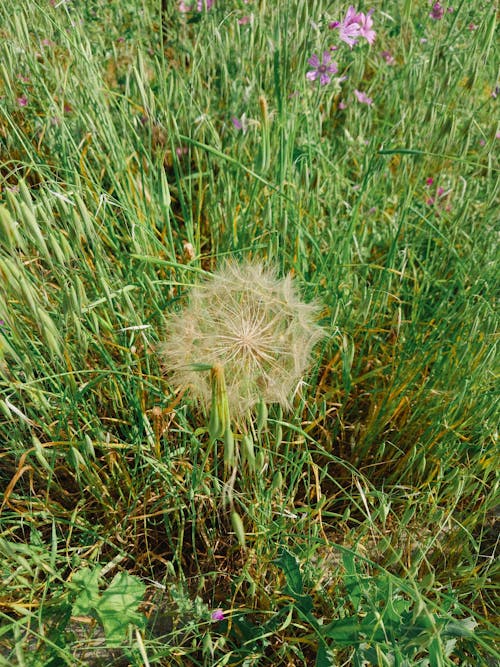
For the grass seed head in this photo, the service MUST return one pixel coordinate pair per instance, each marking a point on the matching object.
(252, 324)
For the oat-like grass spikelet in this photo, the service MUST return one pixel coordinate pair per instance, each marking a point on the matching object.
(252, 324)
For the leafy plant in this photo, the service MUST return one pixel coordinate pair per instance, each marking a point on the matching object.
(115, 606)
(381, 621)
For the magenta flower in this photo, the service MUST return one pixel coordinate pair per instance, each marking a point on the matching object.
(363, 97)
(217, 615)
(322, 69)
(437, 12)
(349, 28)
(388, 57)
(237, 123)
(365, 26)
(22, 101)
(429, 181)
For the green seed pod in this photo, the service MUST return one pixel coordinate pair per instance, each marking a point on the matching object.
(277, 482)
(238, 528)
(279, 435)
(229, 458)
(248, 451)
(261, 416)
(214, 426)
(260, 461)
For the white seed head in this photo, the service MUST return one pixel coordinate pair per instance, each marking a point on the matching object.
(252, 324)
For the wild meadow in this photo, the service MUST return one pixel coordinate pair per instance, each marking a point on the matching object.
(248, 399)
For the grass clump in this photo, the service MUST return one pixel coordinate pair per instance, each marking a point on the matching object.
(143, 147)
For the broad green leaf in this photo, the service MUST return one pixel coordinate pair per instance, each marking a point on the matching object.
(86, 582)
(117, 607)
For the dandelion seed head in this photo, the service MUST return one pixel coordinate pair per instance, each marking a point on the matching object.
(252, 324)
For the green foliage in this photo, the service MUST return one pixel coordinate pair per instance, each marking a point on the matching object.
(115, 606)
(391, 624)
(124, 178)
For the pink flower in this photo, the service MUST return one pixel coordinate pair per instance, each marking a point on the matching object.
(22, 101)
(342, 105)
(388, 57)
(237, 123)
(244, 20)
(429, 181)
(349, 28)
(354, 26)
(365, 26)
(217, 615)
(322, 69)
(363, 97)
(437, 12)
(497, 135)
(472, 26)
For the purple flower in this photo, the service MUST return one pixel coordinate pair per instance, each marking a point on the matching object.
(237, 123)
(355, 25)
(217, 615)
(244, 20)
(322, 69)
(349, 28)
(363, 97)
(365, 26)
(342, 105)
(437, 11)
(472, 26)
(388, 57)
(22, 101)
(429, 181)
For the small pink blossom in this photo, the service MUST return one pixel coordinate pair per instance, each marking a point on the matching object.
(349, 28)
(365, 26)
(429, 181)
(237, 123)
(437, 12)
(244, 20)
(342, 105)
(321, 69)
(22, 101)
(472, 26)
(388, 57)
(354, 26)
(217, 615)
(497, 135)
(363, 97)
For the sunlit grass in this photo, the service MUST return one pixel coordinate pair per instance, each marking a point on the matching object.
(124, 178)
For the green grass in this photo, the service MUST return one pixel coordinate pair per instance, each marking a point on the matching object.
(376, 498)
